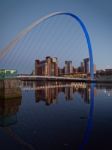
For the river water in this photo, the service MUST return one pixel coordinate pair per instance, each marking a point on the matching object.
(57, 116)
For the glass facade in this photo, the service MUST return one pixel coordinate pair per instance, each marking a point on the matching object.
(4, 73)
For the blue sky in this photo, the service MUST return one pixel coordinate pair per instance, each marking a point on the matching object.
(18, 14)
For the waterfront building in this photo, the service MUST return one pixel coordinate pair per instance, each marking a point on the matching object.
(75, 70)
(4, 73)
(68, 67)
(82, 67)
(108, 71)
(47, 67)
(60, 71)
(86, 65)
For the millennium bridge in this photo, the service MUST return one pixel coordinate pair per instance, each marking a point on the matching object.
(61, 79)
(52, 78)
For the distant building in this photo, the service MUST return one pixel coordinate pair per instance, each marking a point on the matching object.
(82, 67)
(4, 73)
(86, 65)
(108, 71)
(79, 69)
(75, 70)
(60, 71)
(68, 67)
(33, 72)
(100, 72)
(47, 67)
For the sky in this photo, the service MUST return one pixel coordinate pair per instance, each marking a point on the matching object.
(60, 36)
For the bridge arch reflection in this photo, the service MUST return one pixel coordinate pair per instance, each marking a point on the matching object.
(89, 121)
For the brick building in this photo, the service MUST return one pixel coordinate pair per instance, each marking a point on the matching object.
(47, 67)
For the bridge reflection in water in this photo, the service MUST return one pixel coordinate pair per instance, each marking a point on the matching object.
(48, 92)
(10, 100)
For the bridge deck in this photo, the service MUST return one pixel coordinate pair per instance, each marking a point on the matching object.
(57, 78)
(53, 78)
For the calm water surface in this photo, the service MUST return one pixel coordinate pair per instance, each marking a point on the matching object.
(57, 116)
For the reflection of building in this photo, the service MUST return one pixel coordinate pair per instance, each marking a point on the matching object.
(68, 93)
(7, 73)
(47, 67)
(104, 86)
(8, 111)
(48, 95)
(86, 95)
(50, 91)
(68, 67)
(10, 99)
